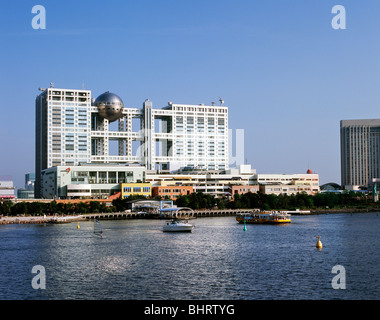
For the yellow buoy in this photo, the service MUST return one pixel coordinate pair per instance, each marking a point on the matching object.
(319, 243)
(78, 226)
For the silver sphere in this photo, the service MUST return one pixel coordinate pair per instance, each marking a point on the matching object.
(110, 106)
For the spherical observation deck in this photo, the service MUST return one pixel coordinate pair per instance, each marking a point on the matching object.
(110, 106)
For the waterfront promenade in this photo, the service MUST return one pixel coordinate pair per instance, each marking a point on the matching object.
(188, 214)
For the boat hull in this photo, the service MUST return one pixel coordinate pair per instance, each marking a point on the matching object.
(264, 218)
(178, 226)
(263, 221)
(178, 229)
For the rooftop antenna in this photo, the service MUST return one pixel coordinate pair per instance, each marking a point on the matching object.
(221, 101)
(51, 84)
(83, 86)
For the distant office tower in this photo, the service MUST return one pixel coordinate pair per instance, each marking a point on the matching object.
(359, 143)
(30, 179)
(73, 129)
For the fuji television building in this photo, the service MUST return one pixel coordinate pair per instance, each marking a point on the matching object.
(74, 129)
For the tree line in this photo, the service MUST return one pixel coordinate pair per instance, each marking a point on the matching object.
(277, 202)
(300, 201)
(51, 208)
(199, 200)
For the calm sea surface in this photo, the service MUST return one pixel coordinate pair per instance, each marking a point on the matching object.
(219, 260)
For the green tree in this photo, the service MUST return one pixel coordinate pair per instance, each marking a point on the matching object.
(82, 207)
(5, 207)
(94, 207)
(53, 207)
(182, 201)
(19, 208)
(35, 208)
(221, 203)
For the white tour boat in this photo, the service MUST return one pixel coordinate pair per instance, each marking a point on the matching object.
(178, 226)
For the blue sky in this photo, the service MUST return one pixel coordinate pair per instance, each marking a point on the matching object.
(287, 76)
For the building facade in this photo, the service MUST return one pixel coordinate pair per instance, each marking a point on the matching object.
(360, 151)
(7, 190)
(278, 189)
(136, 189)
(28, 191)
(88, 181)
(243, 189)
(63, 123)
(171, 192)
(288, 183)
(72, 128)
(217, 183)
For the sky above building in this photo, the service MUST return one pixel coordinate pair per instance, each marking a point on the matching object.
(287, 76)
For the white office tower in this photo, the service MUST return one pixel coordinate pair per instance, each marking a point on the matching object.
(194, 136)
(63, 125)
(74, 129)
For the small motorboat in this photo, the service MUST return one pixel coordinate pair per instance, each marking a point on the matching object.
(178, 226)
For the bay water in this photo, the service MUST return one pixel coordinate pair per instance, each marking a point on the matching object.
(136, 260)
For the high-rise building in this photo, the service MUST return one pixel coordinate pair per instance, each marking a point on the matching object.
(359, 145)
(193, 136)
(30, 179)
(63, 123)
(72, 129)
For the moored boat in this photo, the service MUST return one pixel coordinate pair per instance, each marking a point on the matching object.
(178, 226)
(265, 217)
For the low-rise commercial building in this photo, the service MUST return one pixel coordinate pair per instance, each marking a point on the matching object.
(278, 189)
(28, 191)
(136, 189)
(88, 181)
(288, 183)
(25, 194)
(7, 190)
(173, 192)
(242, 189)
(216, 183)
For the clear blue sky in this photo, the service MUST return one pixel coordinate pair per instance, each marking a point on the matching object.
(287, 76)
